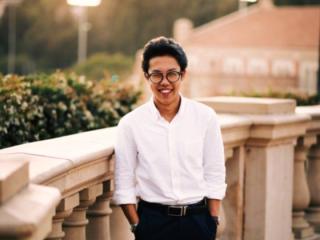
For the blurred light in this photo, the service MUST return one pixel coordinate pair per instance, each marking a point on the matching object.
(250, 1)
(84, 3)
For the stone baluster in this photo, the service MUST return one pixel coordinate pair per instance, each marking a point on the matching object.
(99, 213)
(63, 211)
(301, 194)
(313, 212)
(75, 225)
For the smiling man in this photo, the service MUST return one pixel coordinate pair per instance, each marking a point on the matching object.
(170, 171)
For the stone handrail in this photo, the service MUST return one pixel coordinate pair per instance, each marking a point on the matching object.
(80, 166)
(262, 149)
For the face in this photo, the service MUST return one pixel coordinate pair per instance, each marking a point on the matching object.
(165, 92)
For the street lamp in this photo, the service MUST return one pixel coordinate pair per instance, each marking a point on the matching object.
(243, 3)
(83, 25)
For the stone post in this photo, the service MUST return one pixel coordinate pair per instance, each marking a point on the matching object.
(223, 221)
(313, 212)
(26, 209)
(120, 228)
(75, 225)
(233, 202)
(98, 215)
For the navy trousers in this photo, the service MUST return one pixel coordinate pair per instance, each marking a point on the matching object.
(156, 225)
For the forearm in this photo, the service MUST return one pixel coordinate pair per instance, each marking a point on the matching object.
(214, 206)
(130, 212)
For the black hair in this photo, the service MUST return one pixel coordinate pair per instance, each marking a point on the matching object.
(162, 46)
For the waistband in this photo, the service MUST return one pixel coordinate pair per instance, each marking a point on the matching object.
(177, 210)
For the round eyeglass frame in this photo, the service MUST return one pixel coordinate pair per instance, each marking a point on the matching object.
(148, 75)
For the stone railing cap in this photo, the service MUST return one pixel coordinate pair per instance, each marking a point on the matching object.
(229, 121)
(313, 111)
(24, 213)
(54, 156)
(247, 105)
(14, 175)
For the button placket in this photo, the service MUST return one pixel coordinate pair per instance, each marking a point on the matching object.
(174, 161)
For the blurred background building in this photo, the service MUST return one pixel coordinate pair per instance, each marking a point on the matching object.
(261, 48)
(256, 49)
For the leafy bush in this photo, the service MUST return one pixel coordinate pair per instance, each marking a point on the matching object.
(102, 65)
(44, 106)
(301, 99)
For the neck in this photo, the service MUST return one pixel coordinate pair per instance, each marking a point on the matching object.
(168, 111)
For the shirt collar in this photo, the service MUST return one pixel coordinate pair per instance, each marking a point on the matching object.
(155, 112)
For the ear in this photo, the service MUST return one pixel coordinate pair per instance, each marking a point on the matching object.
(183, 74)
(146, 75)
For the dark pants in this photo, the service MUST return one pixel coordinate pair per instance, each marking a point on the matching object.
(156, 225)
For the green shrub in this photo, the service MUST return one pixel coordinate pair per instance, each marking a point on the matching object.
(100, 65)
(43, 106)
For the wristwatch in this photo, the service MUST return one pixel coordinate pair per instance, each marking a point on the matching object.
(216, 219)
(133, 227)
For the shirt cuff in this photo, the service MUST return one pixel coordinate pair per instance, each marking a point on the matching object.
(124, 196)
(217, 191)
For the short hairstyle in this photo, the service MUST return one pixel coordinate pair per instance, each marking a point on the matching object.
(162, 46)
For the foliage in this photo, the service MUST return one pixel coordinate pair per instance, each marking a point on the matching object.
(101, 65)
(301, 99)
(47, 30)
(44, 106)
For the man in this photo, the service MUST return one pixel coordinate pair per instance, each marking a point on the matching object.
(169, 156)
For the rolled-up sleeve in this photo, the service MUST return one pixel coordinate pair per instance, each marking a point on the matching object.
(125, 164)
(214, 162)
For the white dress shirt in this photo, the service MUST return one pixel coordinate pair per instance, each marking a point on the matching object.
(180, 162)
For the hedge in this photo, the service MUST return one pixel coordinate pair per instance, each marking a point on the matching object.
(43, 106)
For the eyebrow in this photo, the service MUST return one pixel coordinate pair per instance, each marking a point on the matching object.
(169, 70)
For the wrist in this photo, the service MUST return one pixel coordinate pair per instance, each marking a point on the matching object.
(216, 219)
(133, 227)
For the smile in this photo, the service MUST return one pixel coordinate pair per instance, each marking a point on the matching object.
(165, 91)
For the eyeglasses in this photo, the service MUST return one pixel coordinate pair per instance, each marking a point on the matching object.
(171, 76)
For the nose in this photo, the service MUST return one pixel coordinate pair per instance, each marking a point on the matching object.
(165, 81)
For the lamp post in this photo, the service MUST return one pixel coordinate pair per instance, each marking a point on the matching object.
(11, 4)
(83, 25)
(318, 72)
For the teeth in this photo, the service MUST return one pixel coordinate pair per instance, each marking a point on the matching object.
(165, 91)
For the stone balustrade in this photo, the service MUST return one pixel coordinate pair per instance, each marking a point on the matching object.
(306, 205)
(79, 170)
(62, 188)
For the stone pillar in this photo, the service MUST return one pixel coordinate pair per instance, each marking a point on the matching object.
(268, 191)
(233, 202)
(75, 225)
(120, 228)
(301, 193)
(26, 209)
(98, 215)
(223, 220)
(222, 224)
(313, 212)
(63, 211)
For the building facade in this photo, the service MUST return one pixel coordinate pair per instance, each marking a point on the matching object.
(256, 49)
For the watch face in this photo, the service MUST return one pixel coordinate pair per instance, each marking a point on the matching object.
(216, 219)
(133, 227)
